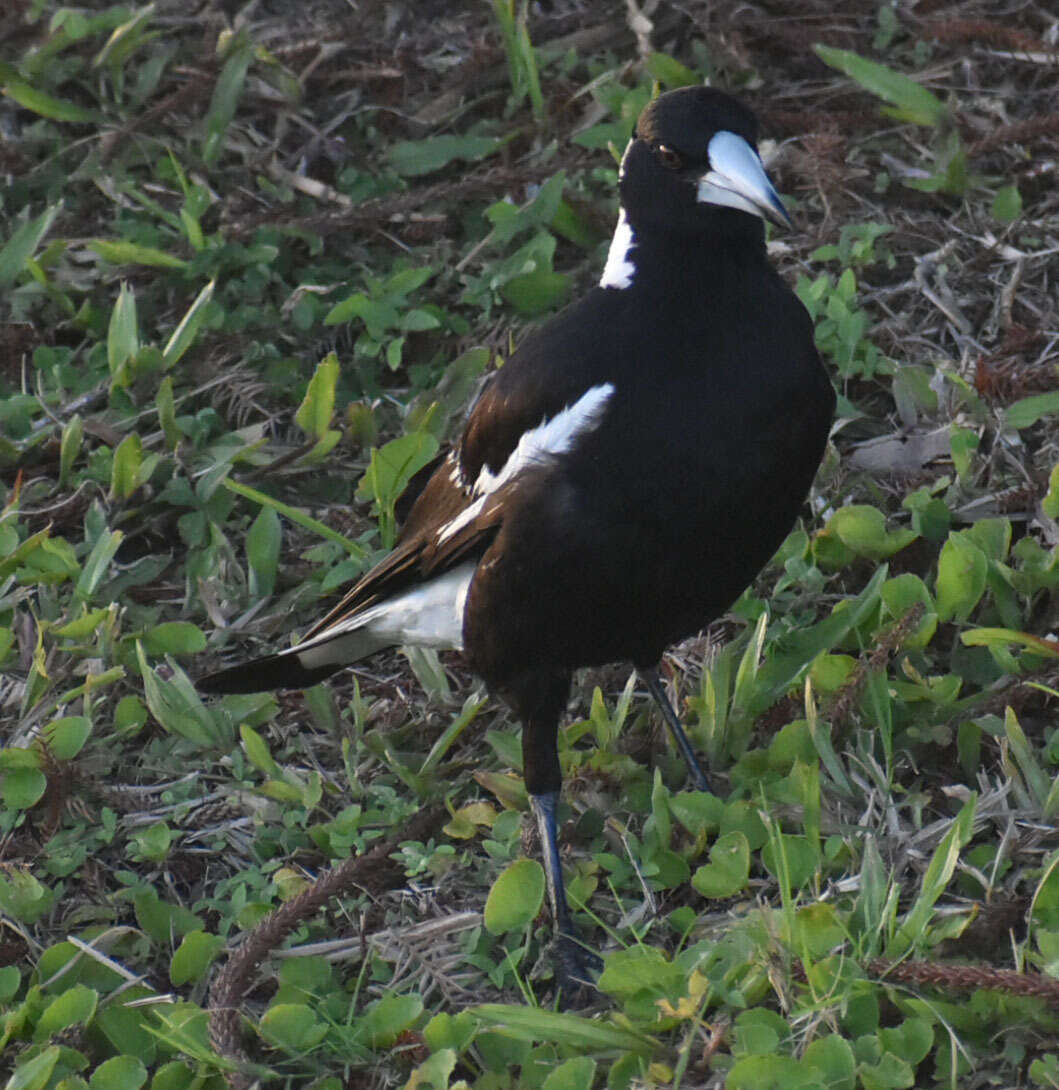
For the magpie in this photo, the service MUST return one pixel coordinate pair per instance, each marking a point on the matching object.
(622, 477)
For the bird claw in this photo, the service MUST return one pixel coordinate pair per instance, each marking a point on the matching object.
(576, 970)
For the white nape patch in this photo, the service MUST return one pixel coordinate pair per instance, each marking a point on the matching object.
(537, 446)
(625, 155)
(620, 268)
(431, 615)
(738, 180)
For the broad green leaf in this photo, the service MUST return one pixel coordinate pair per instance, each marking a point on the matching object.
(863, 529)
(119, 1073)
(174, 638)
(34, 1074)
(670, 72)
(537, 291)
(130, 253)
(318, 406)
(384, 1021)
(1007, 204)
(23, 788)
(728, 870)
(516, 897)
(184, 335)
(22, 245)
(961, 582)
(415, 157)
(912, 102)
(292, 1026)
(74, 1007)
(256, 749)
(178, 708)
(67, 736)
(193, 957)
(575, 1074)
(1028, 410)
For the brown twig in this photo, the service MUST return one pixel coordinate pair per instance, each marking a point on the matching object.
(842, 703)
(965, 978)
(373, 868)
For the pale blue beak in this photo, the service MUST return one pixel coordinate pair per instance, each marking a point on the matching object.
(737, 179)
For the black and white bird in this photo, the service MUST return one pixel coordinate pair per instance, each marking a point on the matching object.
(624, 475)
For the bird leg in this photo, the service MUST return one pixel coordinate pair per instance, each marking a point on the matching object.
(539, 701)
(658, 693)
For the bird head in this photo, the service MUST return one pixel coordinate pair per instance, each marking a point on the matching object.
(693, 162)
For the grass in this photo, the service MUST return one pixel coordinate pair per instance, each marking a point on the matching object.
(252, 272)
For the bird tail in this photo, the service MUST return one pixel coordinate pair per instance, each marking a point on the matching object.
(271, 672)
(298, 668)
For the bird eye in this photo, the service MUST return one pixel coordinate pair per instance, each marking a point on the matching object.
(670, 158)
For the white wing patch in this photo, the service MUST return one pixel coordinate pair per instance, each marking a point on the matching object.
(537, 447)
(430, 615)
(620, 268)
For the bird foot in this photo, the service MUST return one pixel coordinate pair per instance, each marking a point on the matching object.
(576, 970)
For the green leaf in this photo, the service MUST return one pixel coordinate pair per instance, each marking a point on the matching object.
(123, 337)
(130, 253)
(912, 101)
(256, 749)
(536, 292)
(178, 708)
(67, 736)
(193, 957)
(354, 548)
(125, 469)
(669, 71)
(70, 448)
(415, 157)
(1007, 204)
(935, 879)
(1028, 410)
(225, 100)
(263, 544)
(26, 95)
(119, 1073)
(562, 1028)
(35, 1074)
(98, 564)
(863, 529)
(575, 1074)
(164, 921)
(516, 897)
(23, 788)
(1002, 637)
(184, 335)
(174, 638)
(74, 1007)
(315, 412)
(292, 1026)
(385, 1020)
(961, 582)
(728, 870)
(22, 245)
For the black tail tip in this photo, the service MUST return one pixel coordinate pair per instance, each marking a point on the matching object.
(261, 675)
